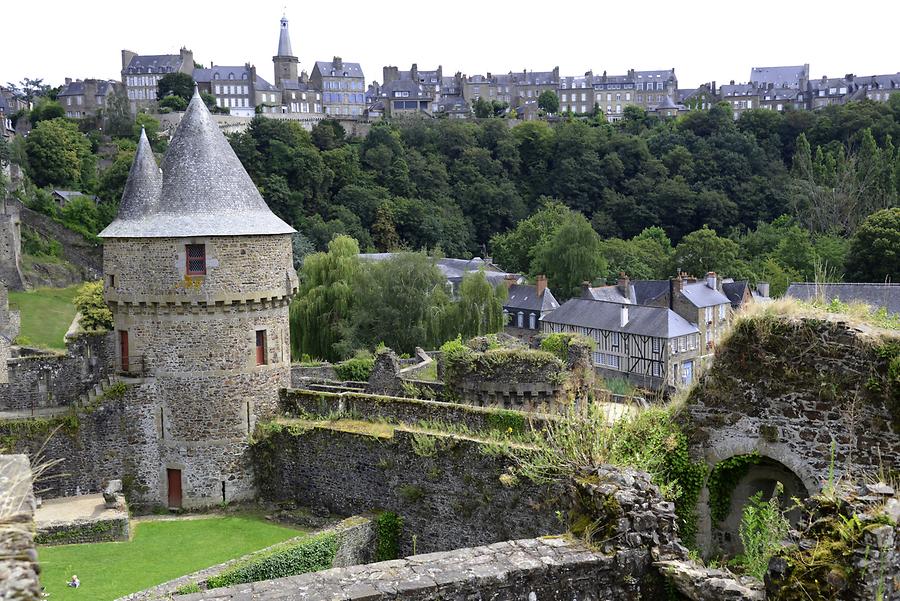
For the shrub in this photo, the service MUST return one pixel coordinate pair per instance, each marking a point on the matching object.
(95, 315)
(763, 528)
(388, 526)
(309, 555)
(357, 369)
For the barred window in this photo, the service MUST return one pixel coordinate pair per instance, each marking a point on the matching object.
(196, 259)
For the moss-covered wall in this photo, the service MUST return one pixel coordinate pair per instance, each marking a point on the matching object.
(815, 395)
(448, 490)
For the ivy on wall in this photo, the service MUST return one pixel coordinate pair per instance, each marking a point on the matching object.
(722, 480)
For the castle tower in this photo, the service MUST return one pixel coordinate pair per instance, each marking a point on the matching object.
(198, 275)
(286, 63)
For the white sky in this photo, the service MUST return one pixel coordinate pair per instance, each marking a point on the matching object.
(703, 40)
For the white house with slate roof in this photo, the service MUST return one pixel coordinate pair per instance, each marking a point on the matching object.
(526, 304)
(653, 347)
(198, 275)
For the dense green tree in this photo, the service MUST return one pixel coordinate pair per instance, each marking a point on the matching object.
(95, 313)
(571, 256)
(319, 314)
(874, 254)
(548, 102)
(150, 126)
(45, 110)
(173, 102)
(328, 134)
(118, 121)
(479, 310)
(178, 84)
(113, 178)
(703, 251)
(400, 302)
(516, 249)
(59, 155)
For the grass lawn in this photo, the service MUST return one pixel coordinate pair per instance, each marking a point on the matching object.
(46, 315)
(159, 551)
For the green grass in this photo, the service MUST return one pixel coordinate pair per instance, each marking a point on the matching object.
(159, 551)
(46, 315)
(429, 374)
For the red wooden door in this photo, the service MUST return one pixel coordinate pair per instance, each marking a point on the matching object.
(123, 349)
(174, 487)
(260, 347)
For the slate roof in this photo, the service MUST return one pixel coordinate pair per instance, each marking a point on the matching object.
(780, 77)
(741, 89)
(873, 294)
(415, 89)
(159, 63)
(453, 269)
(524, 296)
(77, 88)
(667, 104)
(347, 69)
(144, 183)
(659, 322)
(205, 190)
(702, 295)
(646, 291)
(70, 194)
(605, 293)
(735, 292)
(237, 73)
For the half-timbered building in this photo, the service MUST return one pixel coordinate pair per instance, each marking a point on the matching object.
(653, 347)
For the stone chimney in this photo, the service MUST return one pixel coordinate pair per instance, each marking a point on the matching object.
(678, 283)
(623, 283)
(762, 288)
(623, 316)
(337, 63)
(127, 55)
(509, 280)
(586, 290)
(711, 280)
(540, 285)
(68, 80)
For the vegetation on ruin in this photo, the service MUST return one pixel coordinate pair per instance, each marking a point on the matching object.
(763, 530)
(460, 361)
(357, 369)
(311, 554)
(95, 314)
(46, 314)
(559, 343)
(724, 476)
(388, 527)
(158, 552)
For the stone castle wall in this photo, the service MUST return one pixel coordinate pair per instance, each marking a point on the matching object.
(238, 268)
(10, 247)
(18, 557)
(449, 499)
(57, 380)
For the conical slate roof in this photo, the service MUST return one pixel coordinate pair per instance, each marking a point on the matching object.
(205, 190)
(143, 185)
(284, 39)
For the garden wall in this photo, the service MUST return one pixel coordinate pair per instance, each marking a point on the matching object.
(88, 530)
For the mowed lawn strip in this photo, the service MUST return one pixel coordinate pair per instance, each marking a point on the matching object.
(159, 551)
(46, 315)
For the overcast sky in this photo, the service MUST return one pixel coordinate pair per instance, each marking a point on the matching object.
(702, 40)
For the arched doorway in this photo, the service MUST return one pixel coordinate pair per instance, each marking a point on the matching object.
(762, 474)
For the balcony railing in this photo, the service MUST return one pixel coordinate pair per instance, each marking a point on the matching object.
(132, 366)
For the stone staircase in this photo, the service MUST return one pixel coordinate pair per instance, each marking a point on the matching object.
(99, 390)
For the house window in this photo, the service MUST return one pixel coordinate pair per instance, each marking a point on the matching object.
(721, 312)
(532, 322)
(687, 372)
(656, 346)
(614, 340)
(261, 355)
(520, 320)
(655, 369)
(709, 314)
(196, 259)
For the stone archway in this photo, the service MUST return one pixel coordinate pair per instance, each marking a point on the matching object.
(763, 476)
(777, 463)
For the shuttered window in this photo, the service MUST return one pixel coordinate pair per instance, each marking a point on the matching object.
(261, 358)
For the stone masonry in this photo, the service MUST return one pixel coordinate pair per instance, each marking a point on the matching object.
(18, 559)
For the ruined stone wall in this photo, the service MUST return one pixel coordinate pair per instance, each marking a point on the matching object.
(88, 256)
(448, 490)
(810, 394)
(56, 380)
(10, 248)
(18, 557)
(406, 410)
(303, 374)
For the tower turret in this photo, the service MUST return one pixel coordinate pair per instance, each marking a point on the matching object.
(198, 275)
(286, 64)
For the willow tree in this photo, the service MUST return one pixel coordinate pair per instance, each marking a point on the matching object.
(479, 310)
(324, 303)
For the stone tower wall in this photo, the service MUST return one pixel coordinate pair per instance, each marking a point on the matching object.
(240, 268)
(192, 340)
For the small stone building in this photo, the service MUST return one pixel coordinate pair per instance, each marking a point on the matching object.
(198, 275)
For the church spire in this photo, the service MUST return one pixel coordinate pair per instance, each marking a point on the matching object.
(284, 39)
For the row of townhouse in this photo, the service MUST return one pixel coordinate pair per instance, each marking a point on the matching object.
(654, 333)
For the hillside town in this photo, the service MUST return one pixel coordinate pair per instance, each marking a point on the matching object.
(508, 336)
